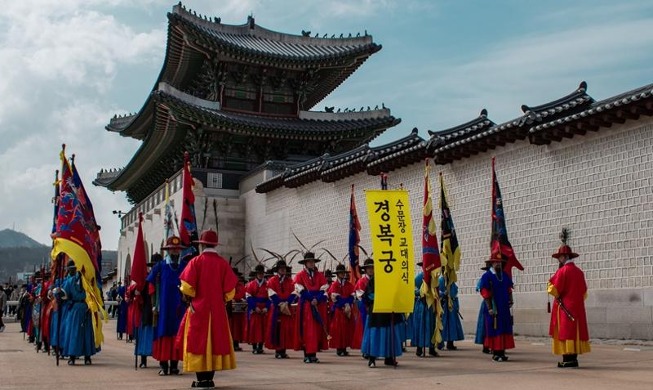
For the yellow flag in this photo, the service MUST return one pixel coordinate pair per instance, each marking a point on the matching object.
(393, 252)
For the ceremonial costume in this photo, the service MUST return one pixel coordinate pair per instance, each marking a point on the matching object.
(77, 339)
(311, 330)
(256, 293)
(208, 282)
(237, 313)
(423, 320)
(167, 306)
(141, 320)
(382, 338)
(37, 306)
(496, 290)
(121, 322)
(361, 312)
(46, 316)
(342, 322)
(452, 328)
(568, 327)
(281, 319)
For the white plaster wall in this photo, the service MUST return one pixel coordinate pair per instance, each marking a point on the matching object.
(599, 185)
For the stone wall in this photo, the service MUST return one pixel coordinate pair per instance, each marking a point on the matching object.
(599, 185)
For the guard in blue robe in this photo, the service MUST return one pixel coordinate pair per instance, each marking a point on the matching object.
(452, 328)
(77, 337)
(423, 321)
(167, 305)
(382, 336)
(121, 323)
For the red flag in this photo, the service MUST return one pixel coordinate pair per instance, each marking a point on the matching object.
(76, 234)
(354, 239)
(430, 251)
(139, 263)
(188, 225)
(499, 232)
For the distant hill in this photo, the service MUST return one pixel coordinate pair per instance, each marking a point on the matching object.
(20, 253)
(13, 239)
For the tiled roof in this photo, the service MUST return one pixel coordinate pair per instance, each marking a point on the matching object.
(543, 123)
(384, 158)
(472, 140)
(333, 126)
(253, 40)
(602, 107)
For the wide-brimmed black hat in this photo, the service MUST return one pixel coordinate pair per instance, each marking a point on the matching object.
(279, 264)
(71, 264)
(328, 273)
(309, 256)
(259, 268)
(341, 268)
(367, 263)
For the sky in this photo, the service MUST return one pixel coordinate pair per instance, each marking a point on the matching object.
(67, 66)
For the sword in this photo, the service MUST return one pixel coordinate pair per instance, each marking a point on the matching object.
(565, 310)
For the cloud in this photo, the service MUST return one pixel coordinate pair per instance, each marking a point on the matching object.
(58, 60)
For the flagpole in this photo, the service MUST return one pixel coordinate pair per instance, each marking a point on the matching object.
(384, 186)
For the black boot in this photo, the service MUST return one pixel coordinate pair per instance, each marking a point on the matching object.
(568, 361)
(390, 361)
(143, 362)
(371, 362)
(164, 368)
(87, 361)
(419, 351)
(237, 347)
(174, 367)
(433, 352)
(499, 356)
(450, 346)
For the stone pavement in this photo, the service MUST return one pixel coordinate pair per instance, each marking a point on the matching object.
(610, 366)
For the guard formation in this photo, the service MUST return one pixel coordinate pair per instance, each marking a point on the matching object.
(182, 313)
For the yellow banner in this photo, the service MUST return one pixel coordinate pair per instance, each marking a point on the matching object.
(393, 252)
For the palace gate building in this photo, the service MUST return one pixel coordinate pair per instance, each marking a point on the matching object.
(268, 168)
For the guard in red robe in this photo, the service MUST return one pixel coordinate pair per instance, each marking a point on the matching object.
(256, 293)
(237, 313)
(207, 283)
(281, 321)
(312, 333)
(361, 312)
(568, 326)
(341, 327)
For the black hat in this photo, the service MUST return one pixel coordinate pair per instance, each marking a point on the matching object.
(367, 263)
(71, 264)
(341, 268)
(257, 269)
(308, 256)
(328, 273)
(279, 264)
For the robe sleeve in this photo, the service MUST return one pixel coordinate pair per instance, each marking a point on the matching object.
(230, 295)
(188, 279)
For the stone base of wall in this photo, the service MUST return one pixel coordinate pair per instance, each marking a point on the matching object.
(611, 314)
